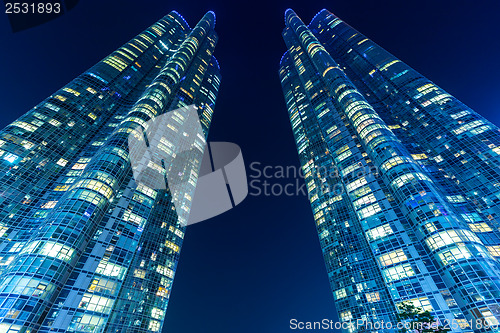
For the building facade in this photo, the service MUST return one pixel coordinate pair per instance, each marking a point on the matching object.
(84, 248)
(403, 180)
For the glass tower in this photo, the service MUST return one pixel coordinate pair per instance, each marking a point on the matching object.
(403, 180)
(84, 248)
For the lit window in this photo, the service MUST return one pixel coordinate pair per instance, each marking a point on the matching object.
(61, 188)
(392, 258)
(379, 232)
(398, 272)
(494, 250)
(157, 313)
(154, 326)
(480, 227)
(341, 293)
(453, 254)
(448, 237)
(373, 297)
(62, 162)
(49, 204)
(346, 315)
(10, 157)
(165, 271)
(369, 211)
(109, 269)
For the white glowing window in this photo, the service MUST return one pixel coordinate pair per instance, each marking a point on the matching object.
(165, 271)
(91, 197)
(54, 122)
(379, 232)
(369, 211)
(341, 293)
(343, 156)
(131, 217)
(392, 258)
(146, 190)
(346, 315)
(62, 162)
(393, 161)
(157, 313)
(448, 237)
(24, 125)
(455, 198)
(408, 177)
(356, 184)
(74, 92)
(422, 302)
(56, 250)
(367, 199)
(398, 272)
(489, 317)
(109, 269)
(154, 326)
(453, 254)
(350, 169)
(10, 157)
(96, 303)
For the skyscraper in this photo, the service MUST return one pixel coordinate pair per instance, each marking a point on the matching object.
(84, 247)
(403, 180)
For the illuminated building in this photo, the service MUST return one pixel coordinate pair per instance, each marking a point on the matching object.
(403, 179)
(84, 248)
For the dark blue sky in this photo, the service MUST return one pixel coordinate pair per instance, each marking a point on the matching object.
(258, 265)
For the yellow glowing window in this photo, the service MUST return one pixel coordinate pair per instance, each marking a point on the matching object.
(346, 315)
(172, 246)
(419, 156)
(480, 227)
(393, 257)
(162, 292)
(139, 273)
(71, 91)
(61, 188)
(494, 250)
(79, 166)
(373, 297)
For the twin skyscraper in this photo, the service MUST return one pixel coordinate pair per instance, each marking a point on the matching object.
(403, 181)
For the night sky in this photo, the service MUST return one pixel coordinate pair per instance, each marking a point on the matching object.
(259, 265)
